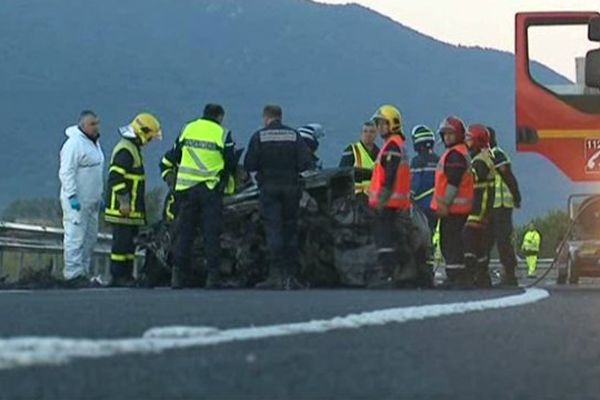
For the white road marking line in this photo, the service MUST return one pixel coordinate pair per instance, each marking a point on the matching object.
(31, 351)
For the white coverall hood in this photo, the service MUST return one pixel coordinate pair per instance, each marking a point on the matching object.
(72, 130)
(127, 132)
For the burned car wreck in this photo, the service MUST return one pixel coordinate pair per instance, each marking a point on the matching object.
(335, 239)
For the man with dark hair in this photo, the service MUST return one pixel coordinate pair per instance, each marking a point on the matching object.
(81, 178)
(205, 156)
(278, 154)
(362, 156)
(507, 197)
(272, 112)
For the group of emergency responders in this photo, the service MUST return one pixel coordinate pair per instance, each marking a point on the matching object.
(468, 194)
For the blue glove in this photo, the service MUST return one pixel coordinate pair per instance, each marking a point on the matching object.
(75, 204)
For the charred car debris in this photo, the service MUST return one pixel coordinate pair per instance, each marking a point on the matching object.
(335, 235)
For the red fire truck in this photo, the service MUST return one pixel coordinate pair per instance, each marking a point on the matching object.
(562, 126)
(562, 123)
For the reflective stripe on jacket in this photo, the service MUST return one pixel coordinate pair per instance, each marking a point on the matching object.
(531, 241)
(422, 178)
(400, 196)
(463, 201)
(483, 189)
(126, 181)
(202, 159)
(503, 197)
(362, 160)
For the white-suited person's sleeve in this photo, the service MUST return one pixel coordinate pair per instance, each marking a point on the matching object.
(69, 158)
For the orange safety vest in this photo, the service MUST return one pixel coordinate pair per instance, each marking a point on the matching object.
(463, 202)
(400, 198)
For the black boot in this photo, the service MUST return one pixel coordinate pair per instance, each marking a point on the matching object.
(482, 279)
(123, 282)
(509, 278)
(457, 278)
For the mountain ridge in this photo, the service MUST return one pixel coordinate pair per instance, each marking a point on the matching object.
(330, 64)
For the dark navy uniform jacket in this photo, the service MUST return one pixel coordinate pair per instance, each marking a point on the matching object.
(278, 154)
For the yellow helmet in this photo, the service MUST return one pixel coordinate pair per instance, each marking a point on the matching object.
(392, 115)
(146, 127)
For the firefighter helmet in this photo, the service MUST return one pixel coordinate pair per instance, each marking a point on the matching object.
(311, 134)
(478, 136)
(146, 127)
(453, 124)
(393, 117)
(422, 136)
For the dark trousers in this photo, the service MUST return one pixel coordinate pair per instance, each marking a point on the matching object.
(199, 206)
(451, 242)
(279, 208)
(501, 234)
(432, 219)
(475, 240)
(392, 239)
(122, 254)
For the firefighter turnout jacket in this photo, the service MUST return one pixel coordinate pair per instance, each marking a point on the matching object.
(503, 197)
(126, 183)
(484, 175)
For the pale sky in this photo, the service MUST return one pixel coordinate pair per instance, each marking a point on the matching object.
(488, 23)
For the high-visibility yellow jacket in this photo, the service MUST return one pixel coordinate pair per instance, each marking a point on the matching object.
(362, 160)
(531, 241)
(202, 159)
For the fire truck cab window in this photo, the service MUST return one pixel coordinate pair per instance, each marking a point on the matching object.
(567, 82)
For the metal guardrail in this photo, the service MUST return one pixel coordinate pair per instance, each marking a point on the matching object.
(51, 231)
(25, 239)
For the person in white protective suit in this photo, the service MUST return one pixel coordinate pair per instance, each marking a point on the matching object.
(81, 196)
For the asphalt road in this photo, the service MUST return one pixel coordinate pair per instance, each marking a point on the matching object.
(549, 349)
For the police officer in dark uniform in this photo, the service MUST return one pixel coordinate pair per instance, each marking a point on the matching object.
(277, 154)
